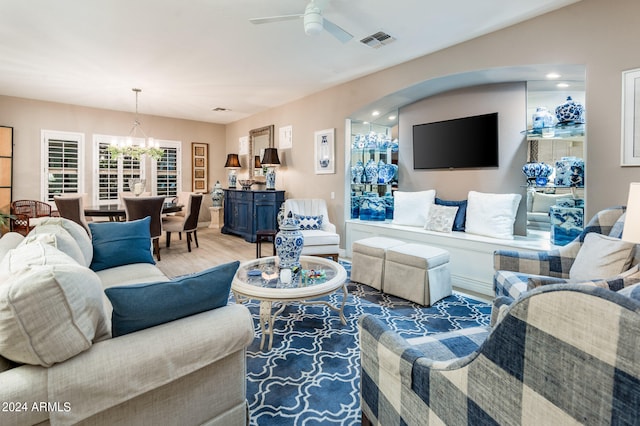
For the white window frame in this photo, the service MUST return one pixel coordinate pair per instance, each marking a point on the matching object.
(150, 173)
(154, 165)
(46, 136)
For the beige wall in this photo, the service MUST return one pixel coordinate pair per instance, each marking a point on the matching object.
(29, 117)
(509, 101)
(600, 35)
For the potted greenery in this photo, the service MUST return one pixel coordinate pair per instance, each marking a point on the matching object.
(4, 222)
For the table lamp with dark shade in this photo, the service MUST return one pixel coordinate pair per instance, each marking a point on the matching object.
(270, 160)
(233, 163)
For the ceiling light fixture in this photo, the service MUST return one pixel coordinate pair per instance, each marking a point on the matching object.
(313, 19)
(127, 148)
(553, 76)
(392, 117)
(375, 113)
(562, 85)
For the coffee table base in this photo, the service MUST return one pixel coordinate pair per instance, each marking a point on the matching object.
(267, 317)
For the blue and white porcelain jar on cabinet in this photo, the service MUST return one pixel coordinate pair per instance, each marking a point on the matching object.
(289, 242)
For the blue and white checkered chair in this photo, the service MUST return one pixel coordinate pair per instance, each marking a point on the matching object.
(543, 363)
(516, 271)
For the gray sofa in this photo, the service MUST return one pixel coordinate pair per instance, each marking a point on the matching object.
(186, 371)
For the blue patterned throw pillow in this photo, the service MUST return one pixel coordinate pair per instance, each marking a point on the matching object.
(309, 222)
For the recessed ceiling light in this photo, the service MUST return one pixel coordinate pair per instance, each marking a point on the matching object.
(392, 117)
(562, 85)
(553, 76)
(375, 113)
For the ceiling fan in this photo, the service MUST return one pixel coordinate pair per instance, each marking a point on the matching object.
(314, 22)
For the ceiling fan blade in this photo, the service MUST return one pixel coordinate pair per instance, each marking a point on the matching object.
(336, 31)
(275, 19)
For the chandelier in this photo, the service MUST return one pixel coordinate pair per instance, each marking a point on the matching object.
(127, 147)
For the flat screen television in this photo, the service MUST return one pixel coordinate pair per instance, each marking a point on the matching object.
(469, 142)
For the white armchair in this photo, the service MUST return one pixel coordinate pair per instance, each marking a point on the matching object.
(317, 242)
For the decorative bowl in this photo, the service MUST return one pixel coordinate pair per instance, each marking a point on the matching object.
(246, 183)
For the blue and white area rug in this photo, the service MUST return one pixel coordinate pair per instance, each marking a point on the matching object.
(311, 376)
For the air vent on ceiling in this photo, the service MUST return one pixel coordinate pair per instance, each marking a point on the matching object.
(377, 40)
(220, 109)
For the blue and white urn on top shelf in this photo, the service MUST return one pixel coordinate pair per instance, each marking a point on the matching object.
(289, 242)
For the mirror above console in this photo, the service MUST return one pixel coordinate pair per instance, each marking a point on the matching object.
(259, 139)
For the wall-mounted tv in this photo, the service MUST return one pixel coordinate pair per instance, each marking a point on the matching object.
(469, 142)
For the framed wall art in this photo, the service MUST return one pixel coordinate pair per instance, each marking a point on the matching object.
(631, 118)
(324, 158)
(200, 167)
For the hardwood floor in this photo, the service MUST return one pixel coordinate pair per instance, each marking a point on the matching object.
(215, 249)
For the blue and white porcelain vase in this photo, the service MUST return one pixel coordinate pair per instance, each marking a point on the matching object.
(371, 172)
(542, 118)
(357, 171)
(217, 195)
(289, 242)
(570, 112)
(382, 172)
(372, 208)
(270, 179)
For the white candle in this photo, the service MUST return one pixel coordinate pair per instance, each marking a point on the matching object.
(285, 276)
(138, 188)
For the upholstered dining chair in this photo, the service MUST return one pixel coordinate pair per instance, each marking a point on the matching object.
(187, 223)
(27, 214)
(320, 236)
(72, 208)
(141, 207)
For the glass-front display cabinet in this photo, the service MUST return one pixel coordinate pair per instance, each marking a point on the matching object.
(373, 170)
(555, 168)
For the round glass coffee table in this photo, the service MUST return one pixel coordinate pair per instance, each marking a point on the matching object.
(259, 279)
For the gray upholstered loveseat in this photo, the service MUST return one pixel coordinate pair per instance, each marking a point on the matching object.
(186, 371)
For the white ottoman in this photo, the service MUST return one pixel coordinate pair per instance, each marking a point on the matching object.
(418, 273)
(367, 260)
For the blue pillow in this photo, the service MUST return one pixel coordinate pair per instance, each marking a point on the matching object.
(461, 215)
(140, 306)
(120, 243)
(309, 222)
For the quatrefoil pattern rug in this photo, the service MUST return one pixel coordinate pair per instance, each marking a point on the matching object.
(311, 376)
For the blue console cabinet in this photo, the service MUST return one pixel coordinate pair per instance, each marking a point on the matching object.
(246, 212)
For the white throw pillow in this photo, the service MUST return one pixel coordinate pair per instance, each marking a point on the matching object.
(77, 232)
(51, 313)
(412, 208)
(600, 257)
(39, 252)
(492, 215)
(441, 218)
(64, 241)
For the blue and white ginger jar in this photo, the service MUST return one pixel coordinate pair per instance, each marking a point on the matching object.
(357, 171)
(542, 118)
(370, 172)
(570, 111)
(289, 242)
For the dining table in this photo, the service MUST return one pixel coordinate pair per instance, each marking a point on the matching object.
(116, 212)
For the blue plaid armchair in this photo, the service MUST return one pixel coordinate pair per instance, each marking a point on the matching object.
(543, 363)
(517, 271)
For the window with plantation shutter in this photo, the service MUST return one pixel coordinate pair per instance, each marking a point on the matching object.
(62, 163)
(167, 171)
(111, 175)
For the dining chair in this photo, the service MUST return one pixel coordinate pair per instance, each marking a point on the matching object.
(27, 214)
(187, 223)
(141, 207)
(72, 208)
